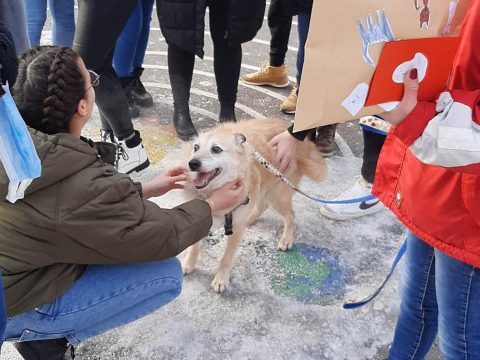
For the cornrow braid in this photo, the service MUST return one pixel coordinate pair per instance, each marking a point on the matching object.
(49, 88)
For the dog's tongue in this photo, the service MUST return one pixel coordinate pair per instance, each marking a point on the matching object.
(202, 179)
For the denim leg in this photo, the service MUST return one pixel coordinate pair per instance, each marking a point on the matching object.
(147, 8)
(104, 297)
(12, 15)
(303, 24)
(63, 21)
(458, 295)
(127, 43)
(417, 321)
(36, 14)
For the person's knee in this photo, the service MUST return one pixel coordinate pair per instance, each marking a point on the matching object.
(170, 271)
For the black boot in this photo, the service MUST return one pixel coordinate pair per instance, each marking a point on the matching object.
(140, 95)
(53, 349)
(127, 88)
(183, 124)
(180, 71)
(227, 114)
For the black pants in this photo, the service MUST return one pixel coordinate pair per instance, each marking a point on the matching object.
(279, 25)
(372, 145)
(99, 24)
(226, 61)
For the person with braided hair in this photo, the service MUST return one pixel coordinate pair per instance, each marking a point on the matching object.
(99, 24)
(85, 251)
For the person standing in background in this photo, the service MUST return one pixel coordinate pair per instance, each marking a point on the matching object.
(232, 22)
(99, 24)
(130, 53)
(63, 20)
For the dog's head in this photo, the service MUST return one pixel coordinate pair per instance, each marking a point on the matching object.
(216, 159)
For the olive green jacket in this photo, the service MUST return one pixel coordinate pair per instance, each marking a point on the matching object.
(80, 212)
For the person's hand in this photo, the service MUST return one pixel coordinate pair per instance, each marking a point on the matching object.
(408, 102)
(227, 196)
(164, 182)
(285, 146)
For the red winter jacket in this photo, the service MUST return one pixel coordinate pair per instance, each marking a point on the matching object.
(428, 174)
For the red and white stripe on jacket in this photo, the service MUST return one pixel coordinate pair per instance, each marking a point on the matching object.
(428, 174)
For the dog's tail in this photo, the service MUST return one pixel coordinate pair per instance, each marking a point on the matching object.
(310, 161)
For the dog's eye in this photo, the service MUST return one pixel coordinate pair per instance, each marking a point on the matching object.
(216, 150)
(196, 147)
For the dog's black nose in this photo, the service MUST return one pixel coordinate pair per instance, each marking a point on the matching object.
(194, 164)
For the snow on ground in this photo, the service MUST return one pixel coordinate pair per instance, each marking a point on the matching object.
(278, 305)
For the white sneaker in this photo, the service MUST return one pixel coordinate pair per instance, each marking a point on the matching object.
(350, 211)
(132, 155)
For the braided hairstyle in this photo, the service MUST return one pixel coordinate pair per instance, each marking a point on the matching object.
(49, 87)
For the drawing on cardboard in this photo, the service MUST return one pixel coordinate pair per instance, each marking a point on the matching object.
(373, 34)
(452, 8)
(419, 62)
(424, 15)
(354, 102)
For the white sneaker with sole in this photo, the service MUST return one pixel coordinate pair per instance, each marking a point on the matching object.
(350, 211)
(132, 155)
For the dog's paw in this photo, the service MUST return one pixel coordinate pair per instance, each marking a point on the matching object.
(284, 245)
(220, 283)
(187, 268)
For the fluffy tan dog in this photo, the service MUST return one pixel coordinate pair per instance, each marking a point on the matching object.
(222, 155)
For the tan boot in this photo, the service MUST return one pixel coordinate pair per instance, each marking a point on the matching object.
(268, 75)
(290, 104)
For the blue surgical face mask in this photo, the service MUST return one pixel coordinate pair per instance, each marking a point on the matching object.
(17, 152)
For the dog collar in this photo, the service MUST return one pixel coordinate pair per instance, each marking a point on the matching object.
(229, 217)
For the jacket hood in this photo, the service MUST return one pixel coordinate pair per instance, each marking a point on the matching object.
(59, 155)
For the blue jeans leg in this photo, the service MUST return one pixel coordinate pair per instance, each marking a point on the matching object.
(417, 321)
(458, 296)
(104, 297)
(303, 25)
(439, 293)
(36, 14)
(127, 43)
(147, 8)
(12, 15)
(63, 21)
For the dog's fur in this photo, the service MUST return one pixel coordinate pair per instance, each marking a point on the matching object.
(223, 148)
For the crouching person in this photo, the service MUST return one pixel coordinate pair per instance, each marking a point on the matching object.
(84, 251)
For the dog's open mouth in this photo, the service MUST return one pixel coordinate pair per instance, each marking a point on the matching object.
(203, 179)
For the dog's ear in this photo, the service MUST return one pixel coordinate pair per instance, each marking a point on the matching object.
(240, 139)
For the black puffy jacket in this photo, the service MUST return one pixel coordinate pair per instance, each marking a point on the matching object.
(183, 22)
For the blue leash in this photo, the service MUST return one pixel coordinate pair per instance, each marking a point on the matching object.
(356, 303)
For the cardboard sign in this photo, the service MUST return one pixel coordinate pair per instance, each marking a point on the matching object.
(344, 46)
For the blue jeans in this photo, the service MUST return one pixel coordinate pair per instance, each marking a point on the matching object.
(303, 25)
(63, 20)
(438, 293)
(12, 15)
(132, 42)
(104, 297)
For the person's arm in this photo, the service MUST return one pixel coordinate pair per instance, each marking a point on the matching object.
(115, 225)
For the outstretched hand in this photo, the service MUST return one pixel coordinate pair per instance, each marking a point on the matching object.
(285, 147)
(164, 182)
(408, 102)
